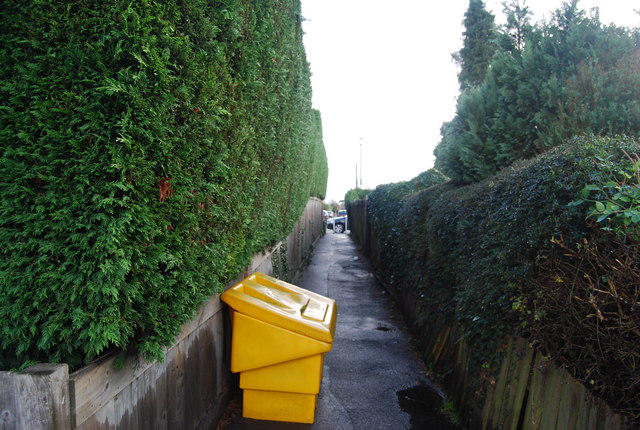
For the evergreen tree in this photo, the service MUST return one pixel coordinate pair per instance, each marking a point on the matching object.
(518, 24)
(545, 84)
(478, 47)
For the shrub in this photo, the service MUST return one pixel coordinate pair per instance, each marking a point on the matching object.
(356, 194)
(615, 204)
(386, 203)
(488, 237)
(569, 76)
(148, 149)
(485, 256)
(581, 310)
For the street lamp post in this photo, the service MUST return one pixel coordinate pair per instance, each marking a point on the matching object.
(360, 164)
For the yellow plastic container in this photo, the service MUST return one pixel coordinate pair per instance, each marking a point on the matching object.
(280, 335)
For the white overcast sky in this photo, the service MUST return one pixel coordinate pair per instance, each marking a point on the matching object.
(383, 79)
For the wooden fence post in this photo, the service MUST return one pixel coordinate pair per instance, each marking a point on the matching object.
(36, 398)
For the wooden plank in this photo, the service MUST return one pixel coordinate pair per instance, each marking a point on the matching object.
(576, 403)
(533, 411)
(220, 371)
(594, 417)
(523, 354)
(204, 378)
(104, 418)
(440, 349)
(207, 376)
(37, 397)
(551, 399)
(487, 408)
(501, 388)
(89, 424)
(601, 415)
(160, 395)
(147, 402)
(565, 411)
(191, 370)
(582, 405)
(10, 412)
(460, 382)
(96, 384)
(207, 371)
(128, 408)
(175, 387)
(134, 407)
(121, 407)
(613, 421)
(221, 364)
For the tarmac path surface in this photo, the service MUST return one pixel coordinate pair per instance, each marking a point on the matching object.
(373, 377)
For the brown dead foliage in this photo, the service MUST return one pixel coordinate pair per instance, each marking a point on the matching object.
(584, 311)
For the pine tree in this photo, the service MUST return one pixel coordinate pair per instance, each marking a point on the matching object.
(518, 24)
(478, 47)
(545, 83)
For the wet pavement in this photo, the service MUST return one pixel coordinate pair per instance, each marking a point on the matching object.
(373, 377)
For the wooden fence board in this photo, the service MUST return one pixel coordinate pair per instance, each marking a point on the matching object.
(574, 405)
(593, 417)
(613, 422)
(533, 411)
(461, 374)
(175, 387)
(551, 399)
(501, 388)
(190, 379)
(161, 396)
(122, 406)
(523, 356)
(582, 407)
(147, 404)
(208, 310)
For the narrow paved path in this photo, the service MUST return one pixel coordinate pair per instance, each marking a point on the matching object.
(373, 378)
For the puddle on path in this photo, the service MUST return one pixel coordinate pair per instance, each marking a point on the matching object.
(357, 270)
(424, 406)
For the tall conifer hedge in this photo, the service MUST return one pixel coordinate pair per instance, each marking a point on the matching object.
(147, 150)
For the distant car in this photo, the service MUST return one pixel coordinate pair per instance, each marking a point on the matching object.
(342, 212)
(337, 224)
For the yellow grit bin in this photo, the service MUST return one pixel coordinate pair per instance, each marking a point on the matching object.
(280, 334)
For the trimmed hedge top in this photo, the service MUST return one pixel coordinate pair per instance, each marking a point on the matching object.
(148, 150)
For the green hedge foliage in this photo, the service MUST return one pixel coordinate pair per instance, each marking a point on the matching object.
(473, 253)
(386, 203)
(148, 150)
(356, 194)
